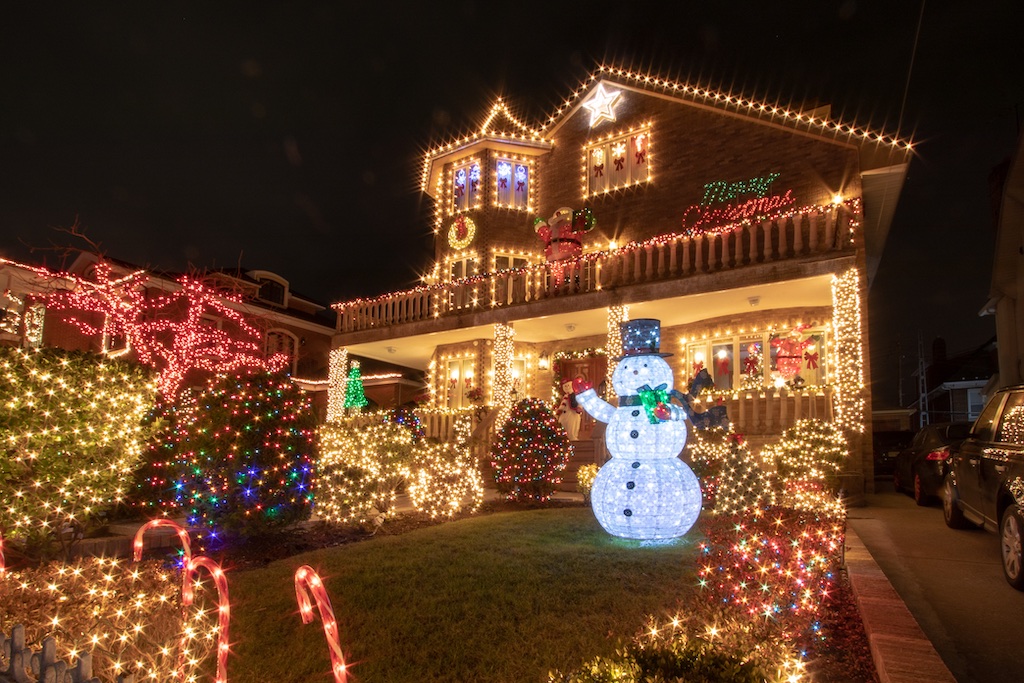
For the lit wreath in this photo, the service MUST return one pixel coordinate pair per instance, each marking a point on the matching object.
(462, 232)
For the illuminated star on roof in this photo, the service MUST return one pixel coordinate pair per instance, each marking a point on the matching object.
(601, 105)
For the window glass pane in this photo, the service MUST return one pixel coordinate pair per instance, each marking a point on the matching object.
(722, 366)
(697, 357)
(984, 428)
(1011, 425)
(473, 188)
(503, 181)
(521, 198)
(598, 179)
(638, 161)
(752, 363)
(459, 183)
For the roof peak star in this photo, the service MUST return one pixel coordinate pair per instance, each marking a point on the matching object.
(601, 104)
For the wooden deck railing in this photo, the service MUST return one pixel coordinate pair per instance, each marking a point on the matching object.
(667, 257)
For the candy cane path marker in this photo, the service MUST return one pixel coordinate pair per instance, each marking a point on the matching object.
(186, 543)
(223, 609)
(308, 581)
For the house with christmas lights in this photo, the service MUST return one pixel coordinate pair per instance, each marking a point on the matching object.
(750, 229)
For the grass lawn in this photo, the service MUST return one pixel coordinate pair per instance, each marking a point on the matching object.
(502, 597)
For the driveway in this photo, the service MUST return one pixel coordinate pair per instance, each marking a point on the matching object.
(951, 581)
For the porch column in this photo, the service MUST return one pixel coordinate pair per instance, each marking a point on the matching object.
(337, 379)
(504, 352)
(847, 314)
(617, 314)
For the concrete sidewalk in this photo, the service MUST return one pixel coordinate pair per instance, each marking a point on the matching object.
(901, 651)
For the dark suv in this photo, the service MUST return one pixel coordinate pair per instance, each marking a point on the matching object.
(985, 484)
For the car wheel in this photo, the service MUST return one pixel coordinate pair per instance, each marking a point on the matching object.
(1011, 530)
(920, 497)
(951, 512)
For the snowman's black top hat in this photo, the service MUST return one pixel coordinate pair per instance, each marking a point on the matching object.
(641, 337)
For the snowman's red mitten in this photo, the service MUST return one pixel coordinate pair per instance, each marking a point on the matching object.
(662, 412)
(579, 385)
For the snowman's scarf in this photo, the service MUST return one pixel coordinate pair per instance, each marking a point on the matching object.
(650, 399)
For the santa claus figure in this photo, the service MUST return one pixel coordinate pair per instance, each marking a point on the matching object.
(569, 412)
(563, 231)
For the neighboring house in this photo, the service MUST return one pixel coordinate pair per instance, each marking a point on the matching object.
(1006, 296)
(291, 324)
(957, 386)
(750, 229)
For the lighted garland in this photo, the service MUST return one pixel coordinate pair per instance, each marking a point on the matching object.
(849, 351)
(530, 453)
(245, 464)
(71, 429)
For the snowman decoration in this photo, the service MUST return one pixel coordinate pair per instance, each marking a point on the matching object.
(644, 491)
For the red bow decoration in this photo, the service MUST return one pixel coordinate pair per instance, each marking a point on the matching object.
(750, 365)
(598, 170)
(722, 366)
(520, 185)
(503, 182)
(812, 360)
(619, 163)
(641, 156)
(698, 366)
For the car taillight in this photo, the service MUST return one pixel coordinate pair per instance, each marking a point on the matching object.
(941, 454)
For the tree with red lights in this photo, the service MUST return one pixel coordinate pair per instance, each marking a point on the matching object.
(192, 327)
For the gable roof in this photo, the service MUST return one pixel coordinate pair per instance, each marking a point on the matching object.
(878, 149)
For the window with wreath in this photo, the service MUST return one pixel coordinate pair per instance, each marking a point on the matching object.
(467, 185)
(792, 358)
(618, 162)
(511, 183)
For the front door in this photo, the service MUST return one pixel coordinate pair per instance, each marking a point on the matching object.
(593, 370)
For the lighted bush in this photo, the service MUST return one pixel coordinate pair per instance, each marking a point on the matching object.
(530, 453)
(585, 476)
(445, 480)
(244, 464)
(700, 645)
(128, 616)
(364, 462)
(71, 433)
(807, 459)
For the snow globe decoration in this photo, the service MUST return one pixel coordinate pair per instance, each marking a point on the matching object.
(644, 492)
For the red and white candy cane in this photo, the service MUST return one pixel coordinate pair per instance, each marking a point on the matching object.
(186, 542)
(308, 581)
(223, 610)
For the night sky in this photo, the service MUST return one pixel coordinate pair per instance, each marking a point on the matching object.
(288, 136)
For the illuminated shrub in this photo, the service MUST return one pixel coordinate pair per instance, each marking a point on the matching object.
(445, 480)
(364, 462)
(71, 435)
(244, 464)
(134, 611)
(585, 476)
(530, 453)
(808, 458)
(701, 645)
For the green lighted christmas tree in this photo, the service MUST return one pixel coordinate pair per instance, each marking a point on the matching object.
(530, 453)
(354, 395)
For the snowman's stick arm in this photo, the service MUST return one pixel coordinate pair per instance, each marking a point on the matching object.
(596, 406)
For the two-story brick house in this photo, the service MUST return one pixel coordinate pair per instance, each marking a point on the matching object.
(751, 230)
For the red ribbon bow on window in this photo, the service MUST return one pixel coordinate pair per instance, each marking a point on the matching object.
(722, 366)
(598, 170)
(520, 186)
(503, 182)
(812, 360)
(619, 163)
(641, 155)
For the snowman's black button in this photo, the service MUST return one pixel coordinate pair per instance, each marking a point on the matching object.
(627, 512)
(635, 413)
(636, 465)
(630, 485)
(634, 434)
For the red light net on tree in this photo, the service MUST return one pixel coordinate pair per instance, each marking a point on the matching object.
(191, 328)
